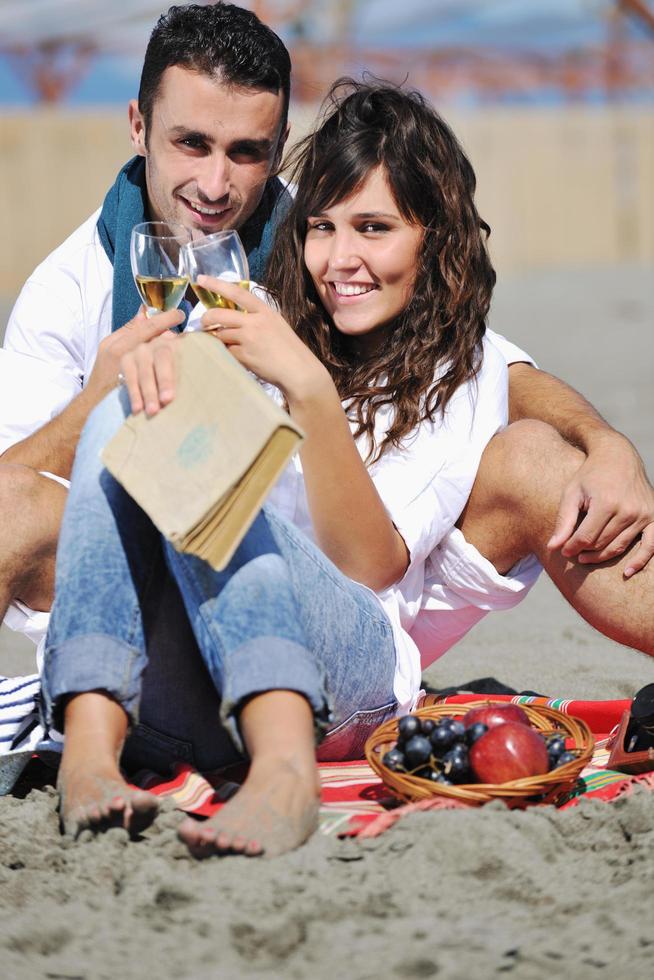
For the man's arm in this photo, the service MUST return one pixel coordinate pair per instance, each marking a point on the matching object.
(610, 490)
(52, 447)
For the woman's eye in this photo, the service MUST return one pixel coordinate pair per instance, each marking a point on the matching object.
(319, 226)
(372, 226)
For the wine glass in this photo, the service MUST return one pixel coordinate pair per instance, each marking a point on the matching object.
(157, 265)
(221, 255)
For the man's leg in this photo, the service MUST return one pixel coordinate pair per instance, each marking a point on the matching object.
(94, 794)
(512, 512)
(109, 554)
(31, 506)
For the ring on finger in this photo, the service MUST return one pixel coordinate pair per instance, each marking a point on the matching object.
(121, 378)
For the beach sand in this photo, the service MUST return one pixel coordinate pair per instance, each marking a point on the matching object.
(455, 894)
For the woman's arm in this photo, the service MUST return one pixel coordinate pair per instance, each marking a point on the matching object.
(350, 522)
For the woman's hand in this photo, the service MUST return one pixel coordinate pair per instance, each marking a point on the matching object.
(149, 373)
(263, 342)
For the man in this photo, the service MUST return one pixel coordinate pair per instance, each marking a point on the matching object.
(208, 129)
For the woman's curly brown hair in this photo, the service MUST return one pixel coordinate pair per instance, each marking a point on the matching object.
(435, 344)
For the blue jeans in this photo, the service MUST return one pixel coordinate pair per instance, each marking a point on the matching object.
(181, 646)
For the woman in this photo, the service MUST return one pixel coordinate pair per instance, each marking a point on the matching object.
(383, 283)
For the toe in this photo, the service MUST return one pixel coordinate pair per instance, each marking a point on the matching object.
(208, 833)
(224, 841)
(115, 807)
(143, 809)
(189, 831)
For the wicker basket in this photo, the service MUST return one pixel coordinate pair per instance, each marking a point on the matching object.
(546, 788)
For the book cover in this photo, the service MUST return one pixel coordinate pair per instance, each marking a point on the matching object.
(202, 467)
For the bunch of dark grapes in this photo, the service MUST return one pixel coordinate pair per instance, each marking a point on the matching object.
(434, 750)
(556, 751)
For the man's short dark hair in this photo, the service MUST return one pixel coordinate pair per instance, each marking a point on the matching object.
(218, 39)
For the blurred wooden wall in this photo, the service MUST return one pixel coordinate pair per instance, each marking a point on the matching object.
(569, 186)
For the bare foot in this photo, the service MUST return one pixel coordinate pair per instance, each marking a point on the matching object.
(275, 811)
(97, 798)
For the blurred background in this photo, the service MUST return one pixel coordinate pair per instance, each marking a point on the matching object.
(553, 101)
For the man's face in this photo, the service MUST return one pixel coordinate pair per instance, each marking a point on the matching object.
(209, 150)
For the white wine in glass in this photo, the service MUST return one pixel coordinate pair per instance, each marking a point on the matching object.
(157, 264)
(161, 294)
(222, 256)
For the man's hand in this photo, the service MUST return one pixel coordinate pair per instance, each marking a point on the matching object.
(140, 330)
(615, 501)
(610, 501)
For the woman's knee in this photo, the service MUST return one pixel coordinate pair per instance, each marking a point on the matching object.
(529, 456)
(523, 439)
(517, 491)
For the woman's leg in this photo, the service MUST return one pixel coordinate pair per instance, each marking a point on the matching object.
(271, 626)
(276, 809)
(292, 645)
(108, 553)
(512, 513)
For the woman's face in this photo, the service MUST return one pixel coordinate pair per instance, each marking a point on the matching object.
(361, 254)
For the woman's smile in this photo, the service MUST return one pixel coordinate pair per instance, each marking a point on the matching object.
(345, 291)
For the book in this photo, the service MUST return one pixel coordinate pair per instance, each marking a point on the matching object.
(202, 467)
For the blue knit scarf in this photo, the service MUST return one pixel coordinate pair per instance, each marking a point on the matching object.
(126, 205)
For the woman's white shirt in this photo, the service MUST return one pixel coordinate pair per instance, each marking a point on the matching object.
(424, 485)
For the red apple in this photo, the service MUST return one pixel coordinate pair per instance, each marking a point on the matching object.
(509, 751)
(495, 714)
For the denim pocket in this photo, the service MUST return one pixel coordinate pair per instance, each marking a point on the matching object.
(348, 739)
(146, 748)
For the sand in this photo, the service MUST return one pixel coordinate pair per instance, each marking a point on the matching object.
(456, 894)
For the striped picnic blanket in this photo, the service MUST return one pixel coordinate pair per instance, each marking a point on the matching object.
(355, 801)
(21, 731)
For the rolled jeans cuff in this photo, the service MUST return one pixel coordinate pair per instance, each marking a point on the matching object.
(94, 662)
(287, 666)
